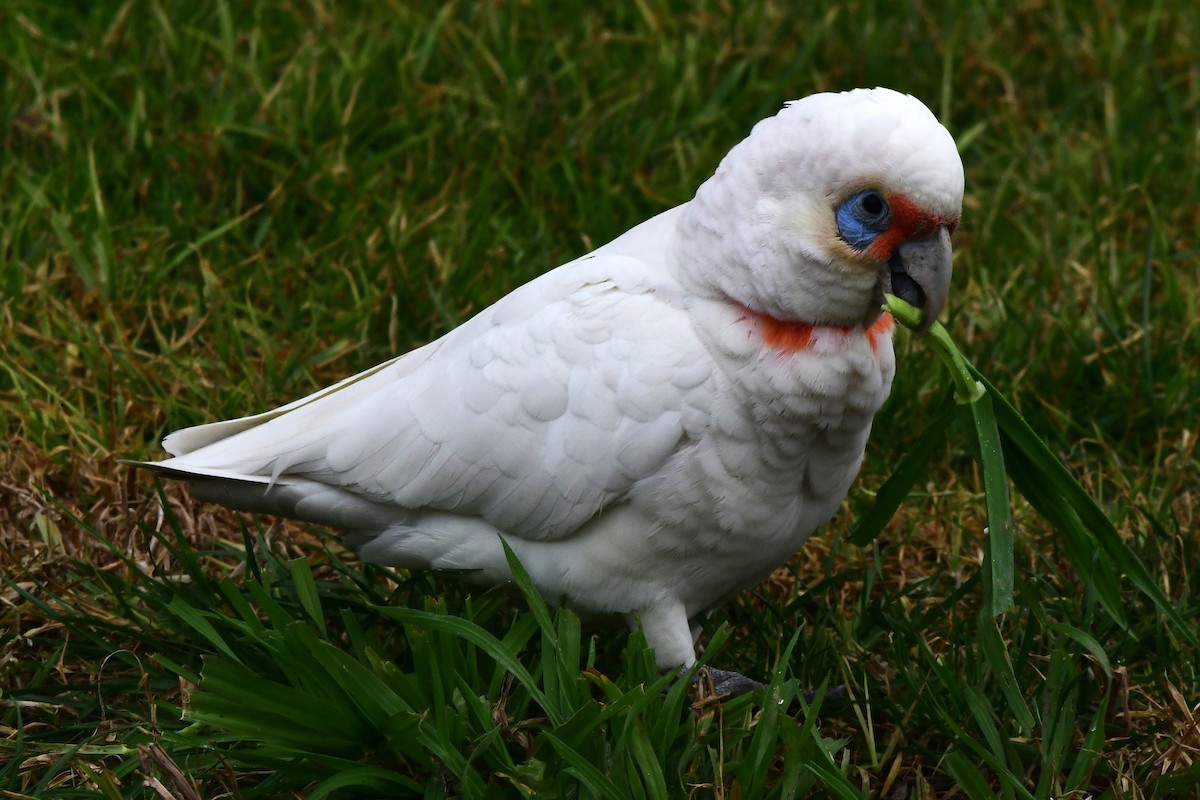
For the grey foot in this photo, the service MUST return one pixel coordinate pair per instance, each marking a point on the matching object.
(833, 694)
(725, 683)
(731, 684)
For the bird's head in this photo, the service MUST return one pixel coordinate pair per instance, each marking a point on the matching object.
(827, 205)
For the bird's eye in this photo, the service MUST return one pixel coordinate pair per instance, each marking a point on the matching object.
(863, 216)
(872, 203)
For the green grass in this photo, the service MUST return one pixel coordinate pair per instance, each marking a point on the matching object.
(210, 208)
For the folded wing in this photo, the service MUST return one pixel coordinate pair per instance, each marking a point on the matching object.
(534, 416)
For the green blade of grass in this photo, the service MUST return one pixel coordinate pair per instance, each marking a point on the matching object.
(1049, 487)
(992, 646)
(196, 620)
(306, 590)
(380, 782)
(1073, 512)
(998, 559)
(587, 773)
(240, 700)
(649, 766)
(482, 639)
(905, 475)
(968, 776)
(1098, 573)
(1087, 641)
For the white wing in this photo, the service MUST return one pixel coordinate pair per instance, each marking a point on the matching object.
(534, 415)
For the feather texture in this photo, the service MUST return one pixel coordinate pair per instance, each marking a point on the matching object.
(653, 426)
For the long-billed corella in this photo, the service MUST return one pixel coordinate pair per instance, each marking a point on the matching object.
(655, 425)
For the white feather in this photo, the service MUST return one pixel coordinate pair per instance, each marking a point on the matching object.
(624, 421)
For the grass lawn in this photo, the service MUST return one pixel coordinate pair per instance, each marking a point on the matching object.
(208, 209)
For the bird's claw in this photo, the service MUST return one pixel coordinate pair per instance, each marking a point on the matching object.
(833, 694)
(722, 683)
(726, 683)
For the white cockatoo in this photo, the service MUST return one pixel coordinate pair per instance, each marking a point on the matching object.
(653, 426)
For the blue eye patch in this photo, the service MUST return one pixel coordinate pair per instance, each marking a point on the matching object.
(861, 217)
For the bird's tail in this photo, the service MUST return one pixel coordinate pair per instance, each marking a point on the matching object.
(294, 497)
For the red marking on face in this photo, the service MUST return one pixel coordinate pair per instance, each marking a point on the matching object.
(909, 221)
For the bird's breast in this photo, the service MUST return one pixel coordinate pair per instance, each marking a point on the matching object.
(779, 442)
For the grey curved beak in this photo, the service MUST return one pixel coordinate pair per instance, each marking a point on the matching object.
(919, 273)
